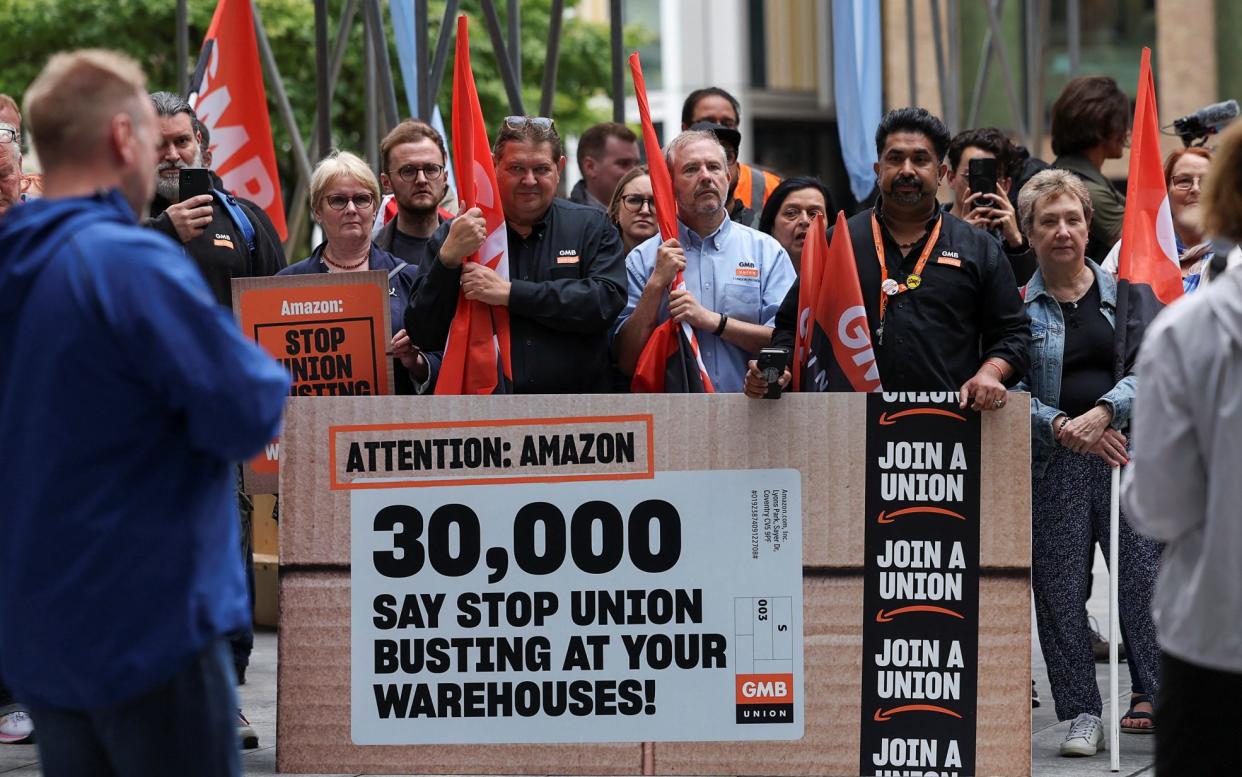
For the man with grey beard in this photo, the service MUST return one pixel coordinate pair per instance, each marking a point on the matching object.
(735, 276)
(227, 237)
(214, 235)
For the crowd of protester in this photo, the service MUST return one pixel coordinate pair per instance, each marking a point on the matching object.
(989, 292)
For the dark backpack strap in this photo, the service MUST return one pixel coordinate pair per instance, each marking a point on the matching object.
(241, 220)
(393, 272)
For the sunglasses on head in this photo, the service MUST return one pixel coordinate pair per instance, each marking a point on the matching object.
(518, 122)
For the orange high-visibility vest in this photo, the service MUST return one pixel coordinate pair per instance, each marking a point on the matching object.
(754, 190)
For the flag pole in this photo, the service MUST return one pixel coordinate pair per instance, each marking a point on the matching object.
(1148, 280)
(1120, 348)
(1114, 636)
(1114, 554)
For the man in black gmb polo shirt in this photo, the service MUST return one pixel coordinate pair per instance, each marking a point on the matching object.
(942, 304)
(566, 271)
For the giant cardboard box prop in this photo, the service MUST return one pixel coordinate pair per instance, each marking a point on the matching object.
(828, 584)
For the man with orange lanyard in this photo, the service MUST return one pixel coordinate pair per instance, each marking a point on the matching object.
(942, 304)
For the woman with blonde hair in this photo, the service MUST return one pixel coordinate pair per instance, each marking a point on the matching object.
(344, 196)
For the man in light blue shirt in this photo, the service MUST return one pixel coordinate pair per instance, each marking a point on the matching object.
(736, 277)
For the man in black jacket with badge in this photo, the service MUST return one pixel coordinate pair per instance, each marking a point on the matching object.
(227, 237)
(217, 237)
(942, 305)
(566, 280)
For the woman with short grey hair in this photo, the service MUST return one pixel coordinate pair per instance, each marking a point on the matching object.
(1078, 411)
(1047, 183)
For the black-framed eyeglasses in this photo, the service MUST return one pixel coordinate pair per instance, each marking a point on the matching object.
(341, 201)
(410, 172)
(635, 202)
(9, 135)
(518, 122)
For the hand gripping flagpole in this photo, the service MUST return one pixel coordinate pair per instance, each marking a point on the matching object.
(665, 208)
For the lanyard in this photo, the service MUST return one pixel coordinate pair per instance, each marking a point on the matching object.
(890, 288)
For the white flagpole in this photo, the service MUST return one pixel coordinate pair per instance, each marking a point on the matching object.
(1114, 631)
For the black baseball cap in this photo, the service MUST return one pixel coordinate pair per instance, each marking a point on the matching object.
(726, 135)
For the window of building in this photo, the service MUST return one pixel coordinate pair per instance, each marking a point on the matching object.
(645, 15)
(1112, 34)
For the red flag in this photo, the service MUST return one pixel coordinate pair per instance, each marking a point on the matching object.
(814, 254)
(661, 180)
(476, 356)
(228, 96)
(1148, 274)
(839, 356)
(670, 362)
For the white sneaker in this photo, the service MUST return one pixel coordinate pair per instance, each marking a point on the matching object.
(16, 728)
(1085, 737)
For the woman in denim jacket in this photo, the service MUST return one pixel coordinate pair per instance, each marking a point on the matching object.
(1077, 412)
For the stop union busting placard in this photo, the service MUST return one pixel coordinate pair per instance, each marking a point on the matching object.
(655, 609)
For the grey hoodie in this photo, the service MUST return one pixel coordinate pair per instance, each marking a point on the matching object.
(1183, 486)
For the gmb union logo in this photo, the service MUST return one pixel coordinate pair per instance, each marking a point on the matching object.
(764, 698)
(746, 269)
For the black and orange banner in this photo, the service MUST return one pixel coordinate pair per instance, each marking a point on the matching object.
(920, 665)
(331, 331)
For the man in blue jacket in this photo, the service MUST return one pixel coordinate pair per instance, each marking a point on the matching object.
(124, 388)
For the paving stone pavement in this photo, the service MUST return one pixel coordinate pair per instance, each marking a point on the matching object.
(258, 697)
(1137, 750)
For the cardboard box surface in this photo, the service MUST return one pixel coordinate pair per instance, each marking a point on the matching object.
(821, 435)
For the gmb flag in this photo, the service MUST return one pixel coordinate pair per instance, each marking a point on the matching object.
(476, 356)
(833, 340)
(227, 94)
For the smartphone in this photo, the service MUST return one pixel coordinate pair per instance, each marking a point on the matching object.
(772, 363)
(981, 175)
(193, 181)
